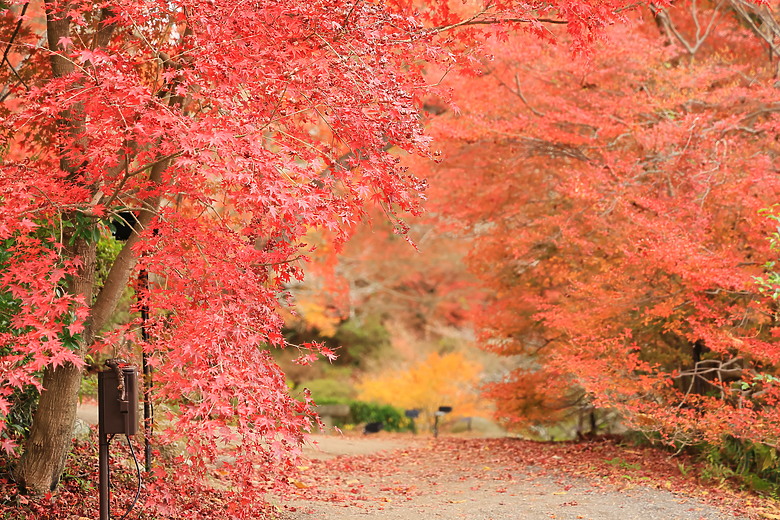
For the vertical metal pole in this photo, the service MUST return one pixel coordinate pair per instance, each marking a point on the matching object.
(105, 492)
(143, 279)
(436, 425)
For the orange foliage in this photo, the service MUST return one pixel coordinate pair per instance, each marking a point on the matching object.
(438, 380)
(614, 203)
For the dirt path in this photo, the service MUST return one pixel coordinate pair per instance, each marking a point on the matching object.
(349, 479)
(326, 447)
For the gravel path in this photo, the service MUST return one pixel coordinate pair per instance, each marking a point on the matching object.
(404, 482)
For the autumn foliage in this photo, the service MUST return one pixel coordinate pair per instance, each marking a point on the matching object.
(223, 140)
(436, 380)
(618, 202)
(219, 134)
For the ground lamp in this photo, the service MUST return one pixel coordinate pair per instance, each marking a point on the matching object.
(117, 415)
(412, 415)
(443, 410)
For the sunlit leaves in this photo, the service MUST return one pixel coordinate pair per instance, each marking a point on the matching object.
(437, 380)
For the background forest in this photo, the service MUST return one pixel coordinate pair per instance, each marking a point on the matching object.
(605, 221)
(614, 211)
(557, 218)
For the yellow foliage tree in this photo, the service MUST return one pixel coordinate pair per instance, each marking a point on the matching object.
(438, 380)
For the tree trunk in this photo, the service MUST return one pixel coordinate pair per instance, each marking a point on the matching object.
(48, 445)
(51, 433)
(47, 448)
(698, 350)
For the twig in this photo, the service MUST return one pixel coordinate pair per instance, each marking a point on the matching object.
(10, 44)
(491, 21)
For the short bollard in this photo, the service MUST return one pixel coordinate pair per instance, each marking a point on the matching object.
(412, 415)
(443, 410)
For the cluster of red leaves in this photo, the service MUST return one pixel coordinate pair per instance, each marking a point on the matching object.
(495, 465)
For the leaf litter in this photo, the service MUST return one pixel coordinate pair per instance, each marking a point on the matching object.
(503, 479)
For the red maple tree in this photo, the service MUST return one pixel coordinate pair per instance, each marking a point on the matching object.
(616, 199)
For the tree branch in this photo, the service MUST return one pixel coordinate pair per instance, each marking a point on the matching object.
(11, 42)
(118, 276)
(492, 21)
(666, 20)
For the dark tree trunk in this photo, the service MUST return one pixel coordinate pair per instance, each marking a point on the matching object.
(49, 443)
(51, 432)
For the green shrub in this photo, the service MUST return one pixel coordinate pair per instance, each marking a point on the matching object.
(754, 465)
(330, 391)
(19, 418)
(392, 419)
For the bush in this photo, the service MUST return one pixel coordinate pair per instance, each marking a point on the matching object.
(756, 466)
(329, 391)
(19, 418)
(392, 418)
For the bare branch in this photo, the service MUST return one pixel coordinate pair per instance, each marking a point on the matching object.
(768, 29)
(516, 91)
(701, 35)
(493, 21)
(10, 44)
